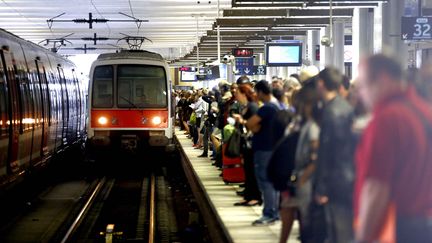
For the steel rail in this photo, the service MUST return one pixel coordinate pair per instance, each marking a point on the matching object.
(152, 210)
(87, 205)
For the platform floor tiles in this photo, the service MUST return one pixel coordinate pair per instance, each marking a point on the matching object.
(237, 220)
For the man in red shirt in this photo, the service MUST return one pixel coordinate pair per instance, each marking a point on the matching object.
(394, 157)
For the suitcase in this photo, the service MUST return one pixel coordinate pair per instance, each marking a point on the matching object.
(232, 168)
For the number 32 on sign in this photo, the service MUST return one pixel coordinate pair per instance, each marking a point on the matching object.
(416, 28)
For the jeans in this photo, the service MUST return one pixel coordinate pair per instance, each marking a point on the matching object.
(413, 229)
(339, 218)
(269, 194)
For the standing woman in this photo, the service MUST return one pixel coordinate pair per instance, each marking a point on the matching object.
(186, 112)
(247, 99)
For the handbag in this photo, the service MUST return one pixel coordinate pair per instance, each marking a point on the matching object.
(234, 145)
(192, 118)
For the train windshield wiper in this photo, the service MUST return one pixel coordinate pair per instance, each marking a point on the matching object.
(133, 105)
(130, 102)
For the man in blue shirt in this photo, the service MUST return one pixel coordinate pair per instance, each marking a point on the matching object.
(261, 125)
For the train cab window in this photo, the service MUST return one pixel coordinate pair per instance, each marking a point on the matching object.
(141, 86)
(102, 96)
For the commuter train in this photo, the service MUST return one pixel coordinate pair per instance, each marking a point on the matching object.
(130, 101)
(42, 106)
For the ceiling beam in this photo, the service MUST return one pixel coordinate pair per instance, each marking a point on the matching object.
(266, 22)
(258, 13)
(286, 12)
(258, 33)
(303, 4)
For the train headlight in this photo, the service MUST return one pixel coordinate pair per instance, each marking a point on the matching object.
(156, 120)
(102, 120)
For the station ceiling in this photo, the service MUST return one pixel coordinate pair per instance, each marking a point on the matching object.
(171, 25)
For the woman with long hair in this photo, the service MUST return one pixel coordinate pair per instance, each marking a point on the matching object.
(248, 101)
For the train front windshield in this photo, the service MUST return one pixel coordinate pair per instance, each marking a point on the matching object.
(138, 86)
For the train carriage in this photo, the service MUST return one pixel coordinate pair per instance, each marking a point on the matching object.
(33, 99)
(130, 101)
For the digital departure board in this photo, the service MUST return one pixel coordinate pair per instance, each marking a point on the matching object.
(416, 28)
(242, 52)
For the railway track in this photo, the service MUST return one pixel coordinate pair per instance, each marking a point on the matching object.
(132, 203)
(123, 209)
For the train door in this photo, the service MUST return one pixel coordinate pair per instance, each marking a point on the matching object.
(45, 104)
(55, 108)
(73, 109)
(78, 104)
(14, 115)
(35, 117)
(65, 104)
(5, 124)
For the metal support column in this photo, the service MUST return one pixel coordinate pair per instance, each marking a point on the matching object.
(391, 22)
(334, 55)
(197, 40)
(362, 37)
(218, 34)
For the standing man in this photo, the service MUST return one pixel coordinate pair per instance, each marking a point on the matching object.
(334, 175)
(394, 157)
(261, 126)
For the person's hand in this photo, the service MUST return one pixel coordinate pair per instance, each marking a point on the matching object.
(321, 200)
(238, 118)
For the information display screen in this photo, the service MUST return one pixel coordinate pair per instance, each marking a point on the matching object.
(416, 28)
(284, 54)
(188, 76)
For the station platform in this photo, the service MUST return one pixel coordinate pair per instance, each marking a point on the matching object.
(236, 221)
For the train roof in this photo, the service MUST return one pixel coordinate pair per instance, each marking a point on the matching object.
(28, 44)
(131, 55)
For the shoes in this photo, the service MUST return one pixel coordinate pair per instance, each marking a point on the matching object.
(264, 221)
(198, 147)
(203, 156)
(242, 203)
(248, 203)
(195, 145)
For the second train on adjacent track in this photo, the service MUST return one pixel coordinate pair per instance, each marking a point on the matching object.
(130, 101)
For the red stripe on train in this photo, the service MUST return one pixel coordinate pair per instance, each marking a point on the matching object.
(129, 118)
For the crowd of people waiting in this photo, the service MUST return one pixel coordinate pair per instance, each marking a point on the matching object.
(351, 160)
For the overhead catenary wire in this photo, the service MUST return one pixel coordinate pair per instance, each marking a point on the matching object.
(24, 17)
(138, 24)
(97, 10)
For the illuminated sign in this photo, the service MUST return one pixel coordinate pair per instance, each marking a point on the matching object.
(416, 28)
(187, 69)
(242, 52)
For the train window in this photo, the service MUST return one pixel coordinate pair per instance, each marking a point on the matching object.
(102, 96)
(141, 86)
